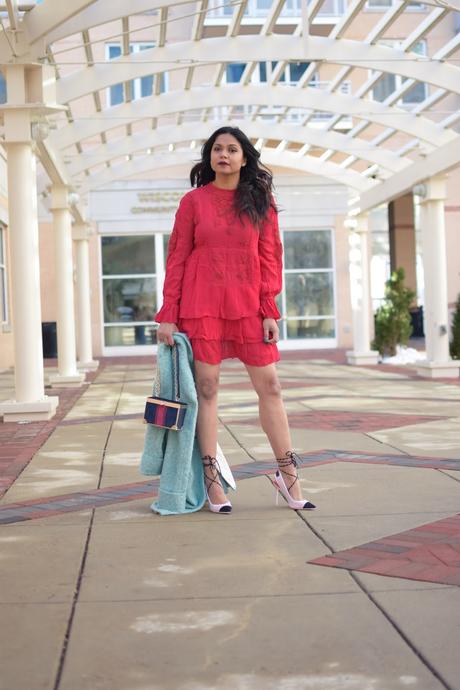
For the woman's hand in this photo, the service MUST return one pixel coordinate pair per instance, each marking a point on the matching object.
(165, 333)
(271, 331)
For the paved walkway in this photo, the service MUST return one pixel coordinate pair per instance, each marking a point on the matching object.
(363, 594)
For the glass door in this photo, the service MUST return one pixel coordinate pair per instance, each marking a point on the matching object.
(307, 302)
(129, 290)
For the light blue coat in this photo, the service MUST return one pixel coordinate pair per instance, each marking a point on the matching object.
(175, 455)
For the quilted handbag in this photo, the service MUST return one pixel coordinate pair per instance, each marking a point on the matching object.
(168, 414)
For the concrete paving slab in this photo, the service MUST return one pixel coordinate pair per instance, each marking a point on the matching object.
(421, 616)
(52, 482)
(248, 643)
(40, 565)
(29, 656)
(254, 500)
(97, 400)
(307, 440)
(235, 411)
(455, 474)
(133, 397)
(350, 403)
(409, 388)
(380, 583)
(344, 532)
(76, 438)
(81, 517)
(127, 562)
(68, 461)
(437, 439)
(355, 489)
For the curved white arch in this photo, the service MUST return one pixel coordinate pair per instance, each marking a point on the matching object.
(246, 49)
(254, 95)
(175, 134)
(271, 157)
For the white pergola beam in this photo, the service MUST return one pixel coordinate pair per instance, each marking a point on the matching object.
(13, 14)
(439, 161)
(191, 131)
(285, 159)
(246, 49)
(101, 12)
(44, 18)
(252, 95)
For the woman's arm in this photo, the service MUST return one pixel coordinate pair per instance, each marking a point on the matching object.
(180, 247)
(271, 266)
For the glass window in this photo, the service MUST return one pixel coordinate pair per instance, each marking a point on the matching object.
(2, 88)
(309, 294)
(308, 300)
(129, 287)
(139, 88)
(311, 328)
(129, 299)
(388, 83)
(296, 70)
(3, 292)
(114, 336)
(310, 249)
(234, 72)
(128, 255)
(116, 91)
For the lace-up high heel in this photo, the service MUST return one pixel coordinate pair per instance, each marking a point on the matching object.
(290, 459)
(210, 462)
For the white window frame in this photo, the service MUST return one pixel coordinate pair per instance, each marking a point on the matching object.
(413, 6)
(137, 82)
(4, 311)
(127, 350)
(292, 12)
(286, 343)
(399, 79)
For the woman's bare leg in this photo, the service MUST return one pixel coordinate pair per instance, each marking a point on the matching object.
(207, 384)
(273, 418)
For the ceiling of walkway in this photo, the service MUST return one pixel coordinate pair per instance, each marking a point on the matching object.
(324, 87)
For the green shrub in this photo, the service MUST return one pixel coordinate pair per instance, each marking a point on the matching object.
(392, 320)
(455, 342)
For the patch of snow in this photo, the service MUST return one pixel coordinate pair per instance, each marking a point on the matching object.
(405, 355)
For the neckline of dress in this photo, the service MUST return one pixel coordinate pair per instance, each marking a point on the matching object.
(220, 190)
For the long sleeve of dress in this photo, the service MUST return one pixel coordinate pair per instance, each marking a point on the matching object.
(271, 266)
(179, 249)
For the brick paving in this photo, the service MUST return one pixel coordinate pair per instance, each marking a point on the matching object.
(429, 553)
(84, 500)
(20, 442)
(327, 420)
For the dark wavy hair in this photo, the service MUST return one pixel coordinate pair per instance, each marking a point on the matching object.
(254, 192)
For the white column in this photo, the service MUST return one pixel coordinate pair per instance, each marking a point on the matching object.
(63, 265)
(81, 233)
(30, 402)
(436, 317)
(360, 292)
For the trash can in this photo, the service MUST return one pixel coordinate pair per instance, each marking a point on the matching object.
(49, 339)
(416, 317)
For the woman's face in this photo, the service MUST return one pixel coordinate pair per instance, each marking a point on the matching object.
(227, 156)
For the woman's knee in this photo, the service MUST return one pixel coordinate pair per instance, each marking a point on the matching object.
(207, 387)
(270, 387)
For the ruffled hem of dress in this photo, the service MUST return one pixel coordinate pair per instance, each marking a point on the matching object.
(268, 308)
(169, 313)
(253, 354)
(247, 329)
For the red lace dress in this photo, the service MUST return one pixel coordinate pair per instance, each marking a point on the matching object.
(222, 275)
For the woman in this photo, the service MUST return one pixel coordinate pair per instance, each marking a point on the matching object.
(223, 271)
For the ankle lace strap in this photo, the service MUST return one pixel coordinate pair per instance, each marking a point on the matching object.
(210, 461)
(293, 459)
(290, 458)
